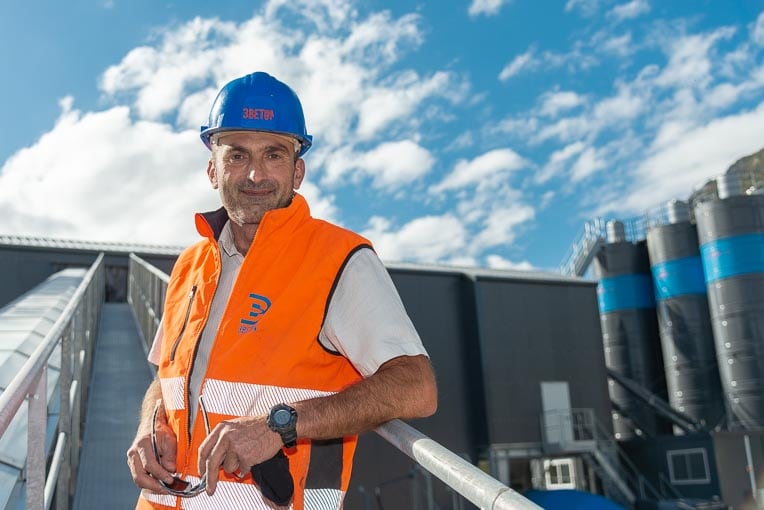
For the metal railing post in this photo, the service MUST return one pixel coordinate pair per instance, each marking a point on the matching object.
(65, 419)
(37, 407)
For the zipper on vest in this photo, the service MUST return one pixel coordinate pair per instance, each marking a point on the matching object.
(188, 386)
(191, 295)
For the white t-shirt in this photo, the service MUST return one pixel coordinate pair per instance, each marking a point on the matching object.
(366, 321)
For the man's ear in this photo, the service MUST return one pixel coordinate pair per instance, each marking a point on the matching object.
(212, 174)
(299, 172)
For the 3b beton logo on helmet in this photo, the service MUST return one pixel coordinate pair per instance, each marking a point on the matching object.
(257, 114)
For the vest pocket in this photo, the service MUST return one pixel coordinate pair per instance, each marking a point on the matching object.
(191, 295)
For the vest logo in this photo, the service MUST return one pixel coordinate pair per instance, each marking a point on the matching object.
(257, 114)
(260, 305)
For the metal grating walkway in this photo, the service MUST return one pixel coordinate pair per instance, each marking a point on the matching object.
(119, 381)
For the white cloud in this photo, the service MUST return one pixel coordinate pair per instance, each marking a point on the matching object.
(431, 238)
(690, 63)
(329, 16)
(629, 10)
(500, 226)
(484, 169)
(625, 105)
(546, 199)
(757, 32)
(390, 164)
(518, 64)
(102, 176)
(519, 127)
(557, 161)
(555, 102)
(487, 7)
(620, 46)
(393, 164)
(580, 57)
(398, 100)
(499, 262)
(159, 77)
(675, 169)
(565, 130)
(586, 7)
(588, 163)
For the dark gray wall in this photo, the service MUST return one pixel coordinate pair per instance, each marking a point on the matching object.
(534, 331)
(651, 458)
(22, 268)
(441, 306)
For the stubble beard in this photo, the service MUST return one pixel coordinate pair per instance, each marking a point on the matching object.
(248, 210)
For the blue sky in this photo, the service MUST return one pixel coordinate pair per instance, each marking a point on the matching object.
(475, 132)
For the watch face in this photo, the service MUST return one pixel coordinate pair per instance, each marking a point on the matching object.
(282, 417)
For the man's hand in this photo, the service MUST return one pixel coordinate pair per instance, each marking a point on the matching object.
(145, 468)
(236, 444)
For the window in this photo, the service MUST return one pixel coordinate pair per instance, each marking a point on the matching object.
(559, 474)
(688, 467)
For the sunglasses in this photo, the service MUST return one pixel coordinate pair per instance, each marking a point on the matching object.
(272, 476)
(178, 486)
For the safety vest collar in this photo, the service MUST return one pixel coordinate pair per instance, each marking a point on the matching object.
(210, 224)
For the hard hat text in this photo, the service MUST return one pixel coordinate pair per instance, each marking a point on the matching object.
(257, 114)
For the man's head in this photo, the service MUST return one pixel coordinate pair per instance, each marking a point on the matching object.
(256, 132)
(255, 172)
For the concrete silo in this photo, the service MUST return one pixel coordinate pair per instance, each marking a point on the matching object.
(629, 330)
(687, 341)
(731, 235)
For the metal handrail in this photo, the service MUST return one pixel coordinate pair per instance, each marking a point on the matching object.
(630, 469)
(472, 483)
(75, 331)
(146, 289)
(591, 236)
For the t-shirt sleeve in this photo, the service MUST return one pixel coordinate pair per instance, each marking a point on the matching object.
(156, 346)
(366, 320)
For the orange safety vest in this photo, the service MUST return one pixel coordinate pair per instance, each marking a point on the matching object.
(266, 350)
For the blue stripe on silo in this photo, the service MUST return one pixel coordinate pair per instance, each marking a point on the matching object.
(679, 277)
(733, 256)
(624, 292)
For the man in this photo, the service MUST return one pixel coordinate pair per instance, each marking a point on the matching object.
(281, 333)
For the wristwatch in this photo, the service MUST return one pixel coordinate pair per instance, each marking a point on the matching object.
(282, 419)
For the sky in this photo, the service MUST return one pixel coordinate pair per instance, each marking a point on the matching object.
(472, 133)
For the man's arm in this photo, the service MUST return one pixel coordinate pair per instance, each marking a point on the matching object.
(403, 387)
(140, 456)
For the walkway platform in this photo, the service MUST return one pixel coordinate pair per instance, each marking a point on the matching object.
(119, 380)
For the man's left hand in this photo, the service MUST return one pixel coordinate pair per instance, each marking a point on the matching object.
(236, 444)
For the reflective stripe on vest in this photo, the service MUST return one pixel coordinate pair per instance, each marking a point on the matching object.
(239, 496)
(243, 399)
(172, 392)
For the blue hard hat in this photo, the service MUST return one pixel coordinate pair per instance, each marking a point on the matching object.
(257, 102)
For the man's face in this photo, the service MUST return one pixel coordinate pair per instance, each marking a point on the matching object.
(255, 172)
